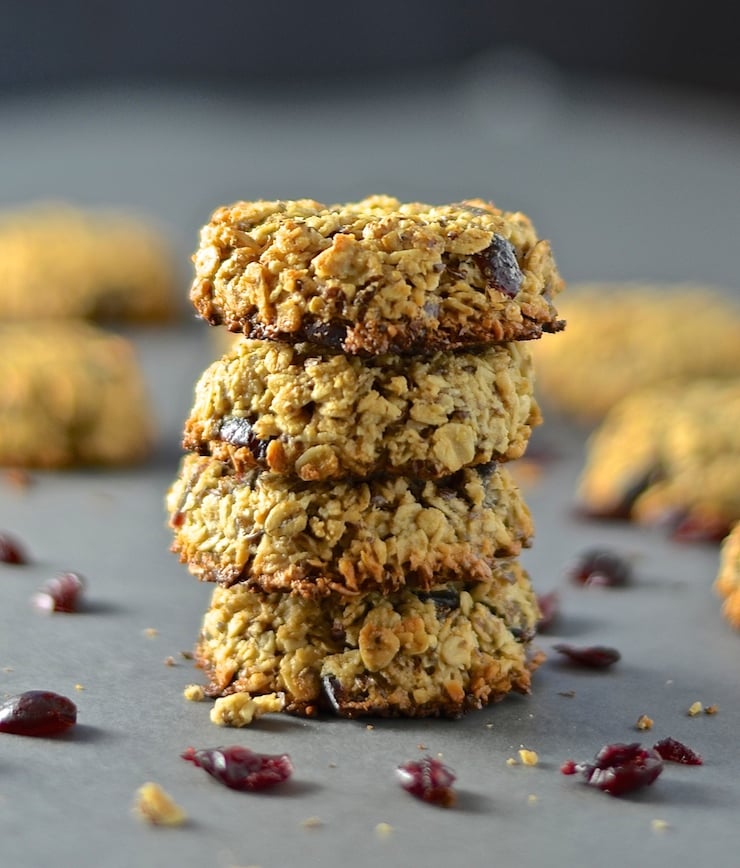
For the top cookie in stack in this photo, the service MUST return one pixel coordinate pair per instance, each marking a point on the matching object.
(344, 465)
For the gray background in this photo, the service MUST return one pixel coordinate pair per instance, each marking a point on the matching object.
(630, 180)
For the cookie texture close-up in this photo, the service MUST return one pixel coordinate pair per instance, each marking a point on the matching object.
(57, 260)
(440, 652)
(319, 414)
(71, 394)
(376, 276)
(277, 533)
(727, 583)
(624, 336)
(669, 454)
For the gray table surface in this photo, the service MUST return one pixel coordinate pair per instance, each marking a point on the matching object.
(627, 186)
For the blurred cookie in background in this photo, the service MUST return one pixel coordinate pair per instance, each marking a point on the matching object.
(727, 583)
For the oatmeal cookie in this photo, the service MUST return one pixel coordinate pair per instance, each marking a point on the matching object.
(376, 276)
(440, 652)
(70, 394)
(621, 337)
(318, 414)
(727, 583)
(276, 533)
(60, 261)
(669, 454)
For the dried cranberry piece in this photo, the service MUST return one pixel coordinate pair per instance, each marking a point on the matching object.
(11, 551)
(619, 768)
(239, 432)
(429, 780)
(330, 334)
(549, 606)
(675, 751)
(240, 768)
(601, 567)
(594, 656)
(696, 528)
(500, 267)
(60, 594)
(37, 712)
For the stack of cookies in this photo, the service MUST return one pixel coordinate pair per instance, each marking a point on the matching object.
(345, 483)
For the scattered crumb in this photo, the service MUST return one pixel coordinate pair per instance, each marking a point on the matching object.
(186, 655)
(489, 726)
(569, 694)
(79, 686)
(711, 709)
(332, 765)
(659, 825)
(155, 806)
(312, 822)
(169, 661)
(511, 761)
(369, 727)
(669, 682)
(240, 709)
(644, 722)
(18, 478)
(532, 799)
(384, 830)
(151, 632)
(422, 746)
(528, 757)
(8, 669)
(194, 693)
(695, 708)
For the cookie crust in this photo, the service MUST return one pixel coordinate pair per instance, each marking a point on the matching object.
(727, 583)
(318, 414)
(416, 654)
(274, 533)
(376, 276)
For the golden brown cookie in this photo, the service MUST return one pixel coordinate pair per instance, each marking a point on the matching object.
(376, 276)
(277, 533)
(727, 583)
(60, 261)
(70, 394)
(440, 652)
(318, 414)
(624, 336)
(669, 454)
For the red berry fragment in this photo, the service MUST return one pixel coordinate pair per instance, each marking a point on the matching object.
(675, 751)
(700, 528)
(500, 268)
(37, 712)
(619, 768)
(240, 768)
(60, 594)
(593, 656)
(429, 780)
(11, 551)
(549, 606)
(602, 568)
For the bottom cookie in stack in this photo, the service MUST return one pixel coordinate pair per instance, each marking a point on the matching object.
(438, 652)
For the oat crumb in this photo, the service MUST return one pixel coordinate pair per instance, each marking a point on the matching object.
(79, 686)
(489, 726)
(369, 727)
(528, 757)
(695, 708)
(711, 709)
(194, 693)
(644, 722)
(155, 806)
(422, 746)
(532, 799)
(312, 822)
(187, 655)
(169, 661)
(240, 709)
(659, 825)
(384, 830)
(511, 761)
(569, 694)
(8, 669)
(332, 765)
(151, 632)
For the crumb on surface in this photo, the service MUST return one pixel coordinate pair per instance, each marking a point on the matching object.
(532, 799)
(659, 825)
(151, 632)
(312, 823)
(153, 805)
(240, 709)
(512, 762)
(695, 708)
(79, 686)
(384, 830)
(169, 661)
(194, 693)
(187, 655)
(369, 727)
(711, 709)
(644, 722)
(528, 757)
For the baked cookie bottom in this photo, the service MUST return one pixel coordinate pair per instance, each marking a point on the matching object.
(625, 336)
(318, 414)
(376, 276)
(71, 394)
(442, 652)
(670, 455)
(61, 261)
(727, 584)
(276, 533)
